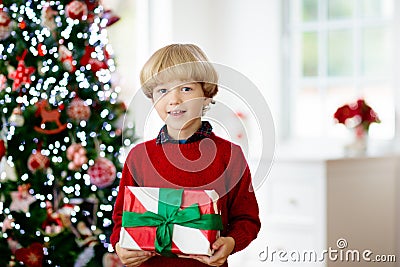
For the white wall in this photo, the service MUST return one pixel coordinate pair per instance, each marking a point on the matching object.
(122, 36)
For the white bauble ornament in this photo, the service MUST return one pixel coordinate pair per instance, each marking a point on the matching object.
(37, 162)
(47, 18)
(16, 118)
(5, 25)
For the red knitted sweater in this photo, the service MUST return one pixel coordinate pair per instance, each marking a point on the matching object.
(210, 163)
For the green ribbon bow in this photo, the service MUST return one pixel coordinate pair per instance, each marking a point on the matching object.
(169, 213)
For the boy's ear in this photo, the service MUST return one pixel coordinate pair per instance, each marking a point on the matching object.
(207, 101)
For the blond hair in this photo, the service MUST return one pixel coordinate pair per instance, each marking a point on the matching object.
(184, 62)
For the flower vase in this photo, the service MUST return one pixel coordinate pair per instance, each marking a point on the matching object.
(358, 147)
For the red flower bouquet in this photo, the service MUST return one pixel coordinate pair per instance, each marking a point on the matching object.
(360, 113)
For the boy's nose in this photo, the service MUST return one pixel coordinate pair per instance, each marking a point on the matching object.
(174, 97)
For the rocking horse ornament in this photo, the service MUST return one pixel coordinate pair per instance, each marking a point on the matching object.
(48, 116)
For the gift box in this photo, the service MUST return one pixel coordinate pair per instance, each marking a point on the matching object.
(170, 221)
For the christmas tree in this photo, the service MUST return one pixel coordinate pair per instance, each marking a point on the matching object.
(62, 137)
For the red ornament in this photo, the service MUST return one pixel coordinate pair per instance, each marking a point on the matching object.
(22, 25)
(2, 149)
(102, 173)
(76, 10)
(5, 25)
(92, 4)
(22, 75)
(31, 256)
(66, 58)
(48, 115)
(122, 106)
(106, 53)
(78, 110)
(37, 162)
(53, 223)
(110, 17)
(95, 63)
(41, 50)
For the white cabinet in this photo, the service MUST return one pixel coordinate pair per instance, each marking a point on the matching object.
(292, 209)
(295, 212)
(307, 205)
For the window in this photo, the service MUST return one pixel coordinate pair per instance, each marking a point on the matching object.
(340, 50)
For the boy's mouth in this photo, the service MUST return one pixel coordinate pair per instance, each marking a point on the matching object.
(176, 112)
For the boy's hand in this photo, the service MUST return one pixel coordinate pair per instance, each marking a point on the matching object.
(131, 257)
(223, 247)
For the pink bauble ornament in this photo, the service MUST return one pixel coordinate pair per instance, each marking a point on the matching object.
(102, 173)
(77, 10)
(7, 224)
(13, 245)
(76, 153)
(78, 110)
(5, 25)
(37, 162)
(3, 82)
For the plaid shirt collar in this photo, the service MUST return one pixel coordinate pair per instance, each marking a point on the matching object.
(203, 132)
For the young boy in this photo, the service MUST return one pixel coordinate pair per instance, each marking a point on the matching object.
(187, 154)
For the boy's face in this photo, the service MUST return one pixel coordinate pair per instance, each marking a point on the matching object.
(180, 105)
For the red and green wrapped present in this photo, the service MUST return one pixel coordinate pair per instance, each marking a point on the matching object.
(170, 221)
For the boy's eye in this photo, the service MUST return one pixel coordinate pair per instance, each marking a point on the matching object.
(162, 91)
(186, 89)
